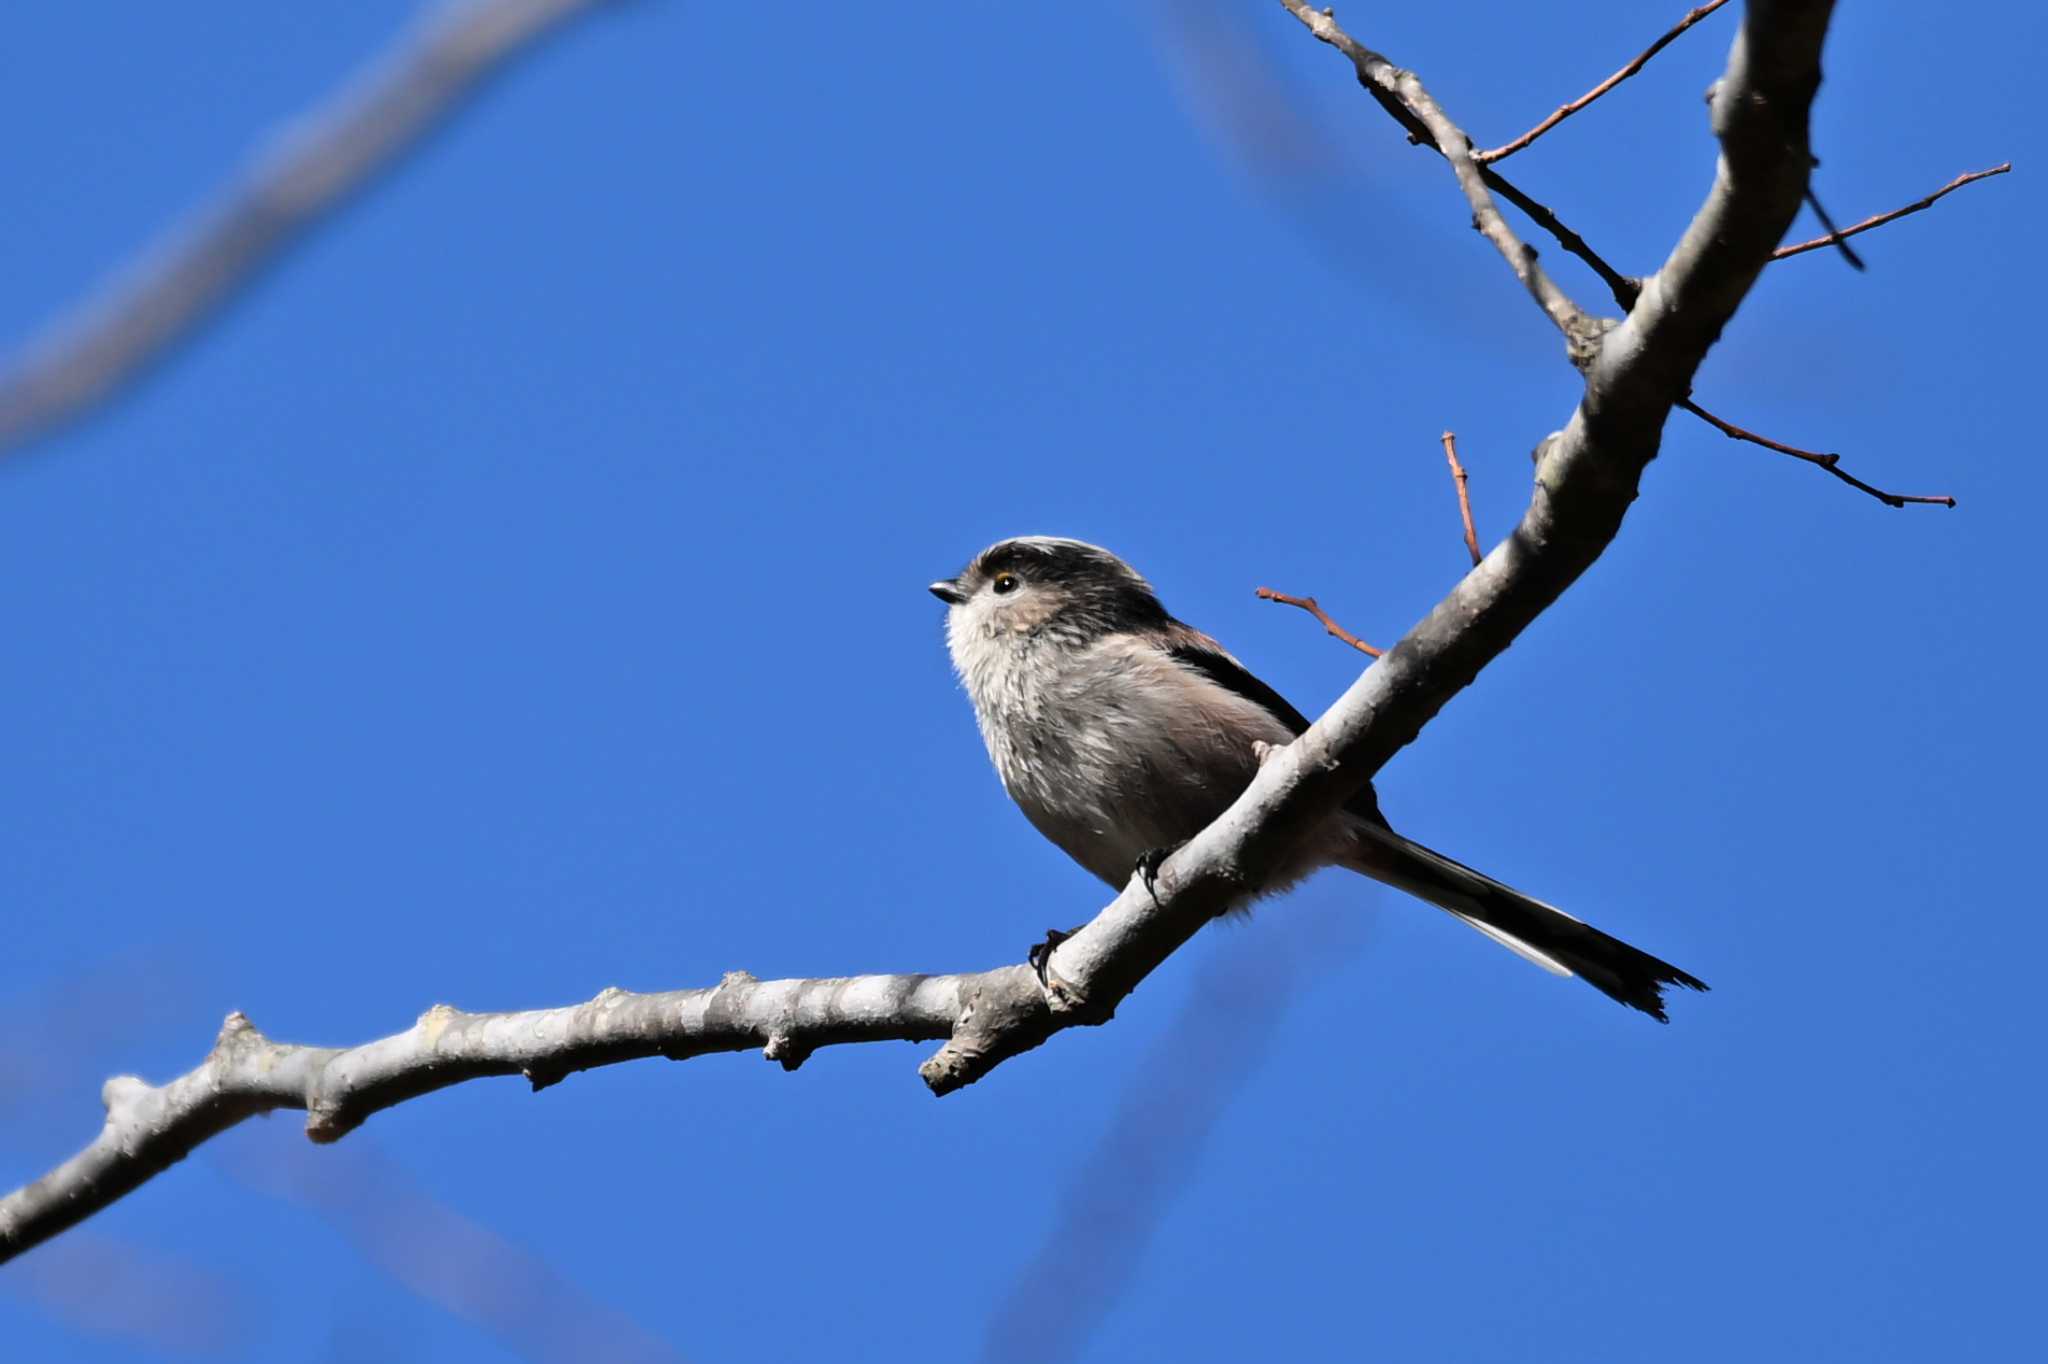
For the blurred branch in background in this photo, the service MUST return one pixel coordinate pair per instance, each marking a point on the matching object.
(1283, 132)
(107, 1288)
(184, 278)
(73, 1032)
(111, 1288)
(1110, 1205)
(441, 1256)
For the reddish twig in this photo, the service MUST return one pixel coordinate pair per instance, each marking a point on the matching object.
(1968, 177)
(1566, 111)
(1828, 461)
(1308, 604)
(1450, 440)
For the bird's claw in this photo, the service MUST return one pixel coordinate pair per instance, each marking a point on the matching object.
(1040, 958)
(1147, 868)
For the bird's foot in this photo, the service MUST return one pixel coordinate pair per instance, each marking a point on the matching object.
(1040, 958)
(1147, 867)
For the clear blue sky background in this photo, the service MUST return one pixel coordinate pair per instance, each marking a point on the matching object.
(522, 592)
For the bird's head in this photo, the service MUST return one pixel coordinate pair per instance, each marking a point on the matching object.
(1034, 584)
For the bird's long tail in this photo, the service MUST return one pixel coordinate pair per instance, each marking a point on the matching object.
(1542, 933)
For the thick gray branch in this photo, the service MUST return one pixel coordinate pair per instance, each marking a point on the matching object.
(179, 281)
(1586, 478)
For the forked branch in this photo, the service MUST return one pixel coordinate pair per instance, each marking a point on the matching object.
(1402, 94)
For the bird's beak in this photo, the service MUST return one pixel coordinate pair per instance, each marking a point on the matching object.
(947, 591)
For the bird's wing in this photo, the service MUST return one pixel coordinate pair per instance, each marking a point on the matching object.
(1206, 657)
(1194, 650)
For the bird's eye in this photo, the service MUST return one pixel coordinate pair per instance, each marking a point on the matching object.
(1005, 583)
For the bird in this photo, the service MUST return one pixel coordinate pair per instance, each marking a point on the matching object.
(1121, 732)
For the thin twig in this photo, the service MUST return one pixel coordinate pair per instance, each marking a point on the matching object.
(1969, 177)
(1450, 440)
(1566, 111)
(1308, 604)
(1624, 289)
(1824, 459)
(1402, 96)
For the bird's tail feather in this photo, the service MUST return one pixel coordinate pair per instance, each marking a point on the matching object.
(1534, 931)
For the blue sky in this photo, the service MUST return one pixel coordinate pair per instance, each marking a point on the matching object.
(521, 592)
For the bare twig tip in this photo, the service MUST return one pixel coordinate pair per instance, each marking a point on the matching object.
(1835, 237)
(1822, 459)
(1458, 474)
(1310, 605)
(1565, 111)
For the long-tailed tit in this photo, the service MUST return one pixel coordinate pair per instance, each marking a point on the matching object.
(1121, 733)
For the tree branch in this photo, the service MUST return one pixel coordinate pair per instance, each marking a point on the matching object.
(1879, 220)
(1587, 476)
(1401, 93)
(1309, 605)
(1588, 473)
(1314, 608)
(149, 1128)
(1620, 286)
(196, 268)
(1826, 460)
(1565, 111)
(1458, 476)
